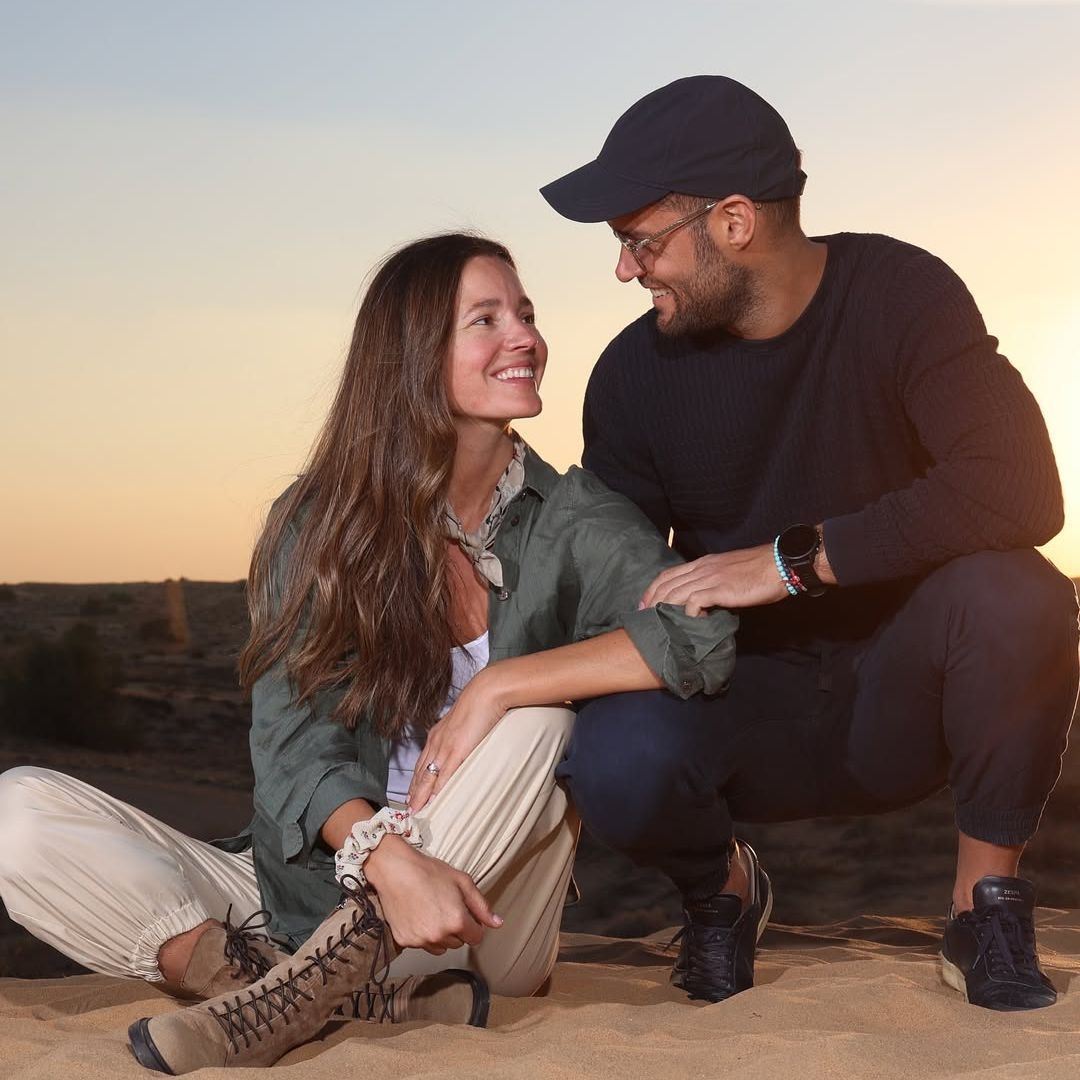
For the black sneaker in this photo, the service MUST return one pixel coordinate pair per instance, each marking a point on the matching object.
(989, 954)
(719, 937)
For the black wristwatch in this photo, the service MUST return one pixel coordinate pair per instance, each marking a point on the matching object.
(799, 545)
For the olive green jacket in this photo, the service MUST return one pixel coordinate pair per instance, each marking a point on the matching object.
(576, 560)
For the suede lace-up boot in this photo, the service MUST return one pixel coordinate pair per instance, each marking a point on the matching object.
(226, 958)
(278, 1012)
(450, 997)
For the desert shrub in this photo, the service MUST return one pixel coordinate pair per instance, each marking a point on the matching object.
(119, 596)
(8, 595)
(97, 605)
(66, 691)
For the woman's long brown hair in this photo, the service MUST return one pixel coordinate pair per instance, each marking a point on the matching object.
(348, 585)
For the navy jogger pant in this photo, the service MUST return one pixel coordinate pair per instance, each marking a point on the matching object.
(970, 684)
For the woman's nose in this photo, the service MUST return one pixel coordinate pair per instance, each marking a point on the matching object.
(523, 335)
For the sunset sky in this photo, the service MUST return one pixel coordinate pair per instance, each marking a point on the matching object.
(192, 193)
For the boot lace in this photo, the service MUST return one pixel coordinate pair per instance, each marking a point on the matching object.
(376, 1002)
(253, 1010)
(240, 950)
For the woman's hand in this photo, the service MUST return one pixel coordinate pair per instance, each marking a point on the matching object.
(456, 736)
(426, 903)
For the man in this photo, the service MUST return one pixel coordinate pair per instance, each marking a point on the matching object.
(845, 458)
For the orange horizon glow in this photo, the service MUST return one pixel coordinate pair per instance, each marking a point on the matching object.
(189, 217)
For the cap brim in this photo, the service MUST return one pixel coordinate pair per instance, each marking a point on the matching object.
(593, 193)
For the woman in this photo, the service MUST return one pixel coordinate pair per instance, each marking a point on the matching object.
(428, 573)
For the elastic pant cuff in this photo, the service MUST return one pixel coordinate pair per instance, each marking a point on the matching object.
(1007, 828)
(703, 886)
(144, 956)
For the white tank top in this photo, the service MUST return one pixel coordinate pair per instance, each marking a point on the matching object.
(467, 660)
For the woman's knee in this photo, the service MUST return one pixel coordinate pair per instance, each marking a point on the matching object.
(541, 732)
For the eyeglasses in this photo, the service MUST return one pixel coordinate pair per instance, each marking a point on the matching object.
(636, 246)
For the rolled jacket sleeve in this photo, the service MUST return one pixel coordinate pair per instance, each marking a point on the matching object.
(616, 554)
(692, 655)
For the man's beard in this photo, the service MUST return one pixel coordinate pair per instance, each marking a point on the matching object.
(718, 296)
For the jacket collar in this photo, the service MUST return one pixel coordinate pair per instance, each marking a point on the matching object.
(540, 477)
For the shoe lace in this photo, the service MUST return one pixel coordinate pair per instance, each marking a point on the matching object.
(239, 944)
(1006, 942)
(676, 937)
(708, 953)
(252, 1010)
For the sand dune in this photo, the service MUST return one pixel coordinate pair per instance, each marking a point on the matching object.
(861, 999)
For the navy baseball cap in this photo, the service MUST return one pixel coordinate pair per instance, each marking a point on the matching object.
(705, 135)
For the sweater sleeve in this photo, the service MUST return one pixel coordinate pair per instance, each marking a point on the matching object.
(990, 481)
(616, 447)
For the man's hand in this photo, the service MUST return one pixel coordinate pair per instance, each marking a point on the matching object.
(731, 579)
(427, 904)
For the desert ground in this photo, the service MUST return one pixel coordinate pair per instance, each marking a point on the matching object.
(847, 984)
(178, 748)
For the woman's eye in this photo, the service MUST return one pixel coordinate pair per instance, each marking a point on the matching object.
(529, 318)
(484, 320)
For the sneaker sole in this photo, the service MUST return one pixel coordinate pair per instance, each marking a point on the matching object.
(142, 1046)
(952, 976)
(763, 922)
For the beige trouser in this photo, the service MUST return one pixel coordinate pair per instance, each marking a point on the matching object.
(107, 885)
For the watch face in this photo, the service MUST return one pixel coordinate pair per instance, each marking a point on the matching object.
(799, 542)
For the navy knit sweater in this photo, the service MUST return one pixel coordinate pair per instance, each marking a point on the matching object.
(885, 412)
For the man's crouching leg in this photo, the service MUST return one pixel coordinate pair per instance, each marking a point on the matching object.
(644, 772)
(985, 653)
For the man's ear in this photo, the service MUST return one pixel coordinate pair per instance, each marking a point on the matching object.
(733, 223)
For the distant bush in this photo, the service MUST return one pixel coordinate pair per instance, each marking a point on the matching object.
(119, 596)
(97, 605)
(66, 691)
(8, 595)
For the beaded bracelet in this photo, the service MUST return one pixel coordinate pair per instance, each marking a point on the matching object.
(787, 576)
(365, 836)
